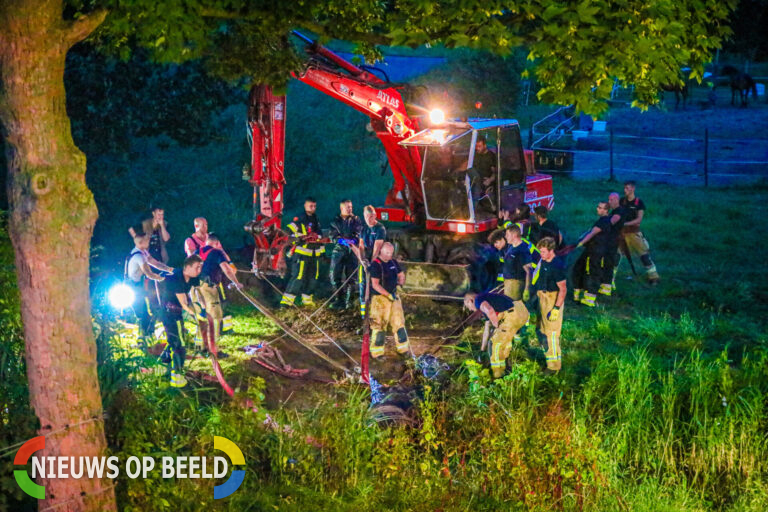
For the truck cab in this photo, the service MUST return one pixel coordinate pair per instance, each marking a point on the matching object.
(471, 170)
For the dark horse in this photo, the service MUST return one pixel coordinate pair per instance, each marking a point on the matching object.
(740, 82)
(679, 90)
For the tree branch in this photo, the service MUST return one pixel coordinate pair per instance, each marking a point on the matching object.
(82, 27)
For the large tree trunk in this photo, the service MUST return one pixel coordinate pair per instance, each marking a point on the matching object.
(51, 222)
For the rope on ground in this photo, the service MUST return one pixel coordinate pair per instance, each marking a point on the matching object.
(266, 312)
(308, 319)
(432, 296)
(316, 311)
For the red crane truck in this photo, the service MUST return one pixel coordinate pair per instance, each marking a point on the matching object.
(440, 218)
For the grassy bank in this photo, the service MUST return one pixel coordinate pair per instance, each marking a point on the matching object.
(660, 404)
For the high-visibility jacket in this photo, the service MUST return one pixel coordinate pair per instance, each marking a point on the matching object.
(301, 226)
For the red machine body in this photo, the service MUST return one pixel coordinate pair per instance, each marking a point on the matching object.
(404, 145)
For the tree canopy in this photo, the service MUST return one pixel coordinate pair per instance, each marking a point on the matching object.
(576, 49)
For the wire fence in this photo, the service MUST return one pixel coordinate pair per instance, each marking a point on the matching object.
(703, 160)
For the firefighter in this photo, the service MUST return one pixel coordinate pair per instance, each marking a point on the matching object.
(618, 214)
(198, 239)
(373, 236)
(175, 299)
(633, 237)
(595, 264)
(550, 280)
(517, 265)
(216, 266)
(386, 307)
(138, 273)
(345, 233)
(522, 217)
(305, 257)
(547, 227)
(496, 238)
(507, 317)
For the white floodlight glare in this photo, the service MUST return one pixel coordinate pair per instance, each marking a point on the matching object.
(121, 296)
(436, 116)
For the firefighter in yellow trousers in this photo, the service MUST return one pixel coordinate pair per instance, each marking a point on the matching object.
(550, 281)
(507, 316)
(386, 306)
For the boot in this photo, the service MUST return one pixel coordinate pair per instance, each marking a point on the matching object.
(338, 301)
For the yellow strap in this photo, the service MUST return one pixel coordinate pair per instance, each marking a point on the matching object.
(535, 277)
(301, 270)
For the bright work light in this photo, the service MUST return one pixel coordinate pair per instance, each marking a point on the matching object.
(437, 116)
(121, 296)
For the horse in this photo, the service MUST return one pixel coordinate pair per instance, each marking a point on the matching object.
(740, 82)
(679, 90)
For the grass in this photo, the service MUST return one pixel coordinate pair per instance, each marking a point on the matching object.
(660, 405)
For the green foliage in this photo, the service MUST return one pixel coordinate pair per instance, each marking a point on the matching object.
(111, 102)
(577, 49)
(17, 420)
(472, 76)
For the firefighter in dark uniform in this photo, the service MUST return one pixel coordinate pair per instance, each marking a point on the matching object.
(507, 317)
(345, 233)
(517, 265)
(372, 237)
(522, 217)
(595, 264)
(546, 226)
(175, 299)
(632, 236)
(496, 238)
(305, 256)
(550, 280)
(216, 266)
(138, 274)
(386, 307)
(618, 214)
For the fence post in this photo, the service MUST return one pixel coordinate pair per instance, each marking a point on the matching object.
(706, 157)
(610, 150)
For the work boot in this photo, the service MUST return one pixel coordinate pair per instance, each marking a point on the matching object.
(178, 380)
(338, 302)
(589, 299)
(288, 300)
(307, 301)
(577, 295)
(605, 289)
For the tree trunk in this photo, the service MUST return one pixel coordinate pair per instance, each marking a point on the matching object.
(51, 222)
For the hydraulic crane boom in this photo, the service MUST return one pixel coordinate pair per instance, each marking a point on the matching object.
(361, 90)
(443, 185)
